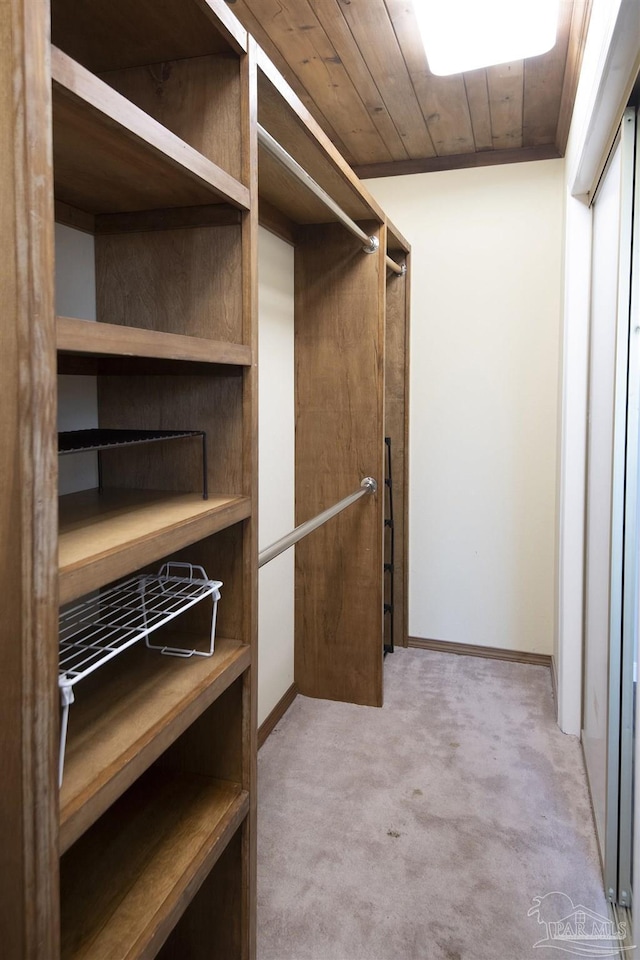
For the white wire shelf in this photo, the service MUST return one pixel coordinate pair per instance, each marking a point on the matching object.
(102, 625)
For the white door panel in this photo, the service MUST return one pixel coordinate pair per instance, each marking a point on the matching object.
(611, 542)
(604, 297)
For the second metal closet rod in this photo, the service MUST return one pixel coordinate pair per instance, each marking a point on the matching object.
(370, 244)
(367, 485)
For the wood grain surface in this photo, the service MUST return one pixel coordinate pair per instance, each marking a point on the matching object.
(28, 637)
(111, 156)
(106, 536)
(242, 890)
(110, 339)
(216, 912)
(117, 35)
(396, 426)
(187, 282)
(197, 99)
(361, 70)
(127, 881)
(286, 118)
(339, 355)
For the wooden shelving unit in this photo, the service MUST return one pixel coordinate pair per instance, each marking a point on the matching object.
(147, 142)
(137, 123)
(342, 324)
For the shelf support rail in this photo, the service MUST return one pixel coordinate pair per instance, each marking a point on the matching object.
(367, 485)
(370, 244)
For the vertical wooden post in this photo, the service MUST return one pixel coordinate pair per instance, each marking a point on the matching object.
(339, 353)
(28, 538)
(397, 428)
(250, 468)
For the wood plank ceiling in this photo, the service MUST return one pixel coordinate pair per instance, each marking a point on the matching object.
(360, 68)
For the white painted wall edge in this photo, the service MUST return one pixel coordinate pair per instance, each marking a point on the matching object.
(572, 457)
(619, 66)
(276, 456)
(605, 77)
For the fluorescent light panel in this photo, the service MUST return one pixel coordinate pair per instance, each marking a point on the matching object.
(461, 35)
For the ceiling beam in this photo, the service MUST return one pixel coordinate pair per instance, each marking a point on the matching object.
(485, 158)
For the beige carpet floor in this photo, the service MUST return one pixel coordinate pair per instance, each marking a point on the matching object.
(424, 830)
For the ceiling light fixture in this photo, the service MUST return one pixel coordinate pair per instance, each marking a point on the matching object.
(460, 35)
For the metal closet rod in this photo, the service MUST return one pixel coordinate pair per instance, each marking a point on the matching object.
(367, 485)
(370, 244)
(399, 268)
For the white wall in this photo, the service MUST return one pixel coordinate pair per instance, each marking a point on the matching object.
(77, 396)
(486, 294)
(276, 436)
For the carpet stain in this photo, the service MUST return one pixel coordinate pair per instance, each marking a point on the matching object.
(417, 793)
(393, 833)
(454, 743)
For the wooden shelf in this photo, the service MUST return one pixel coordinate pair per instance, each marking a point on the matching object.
(111, 157)
(108, 535)
(115, 340)
(123, 720)
(285, 117)
(118, 34)
(127, 881)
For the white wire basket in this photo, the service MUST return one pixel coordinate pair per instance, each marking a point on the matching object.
(102, 625)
